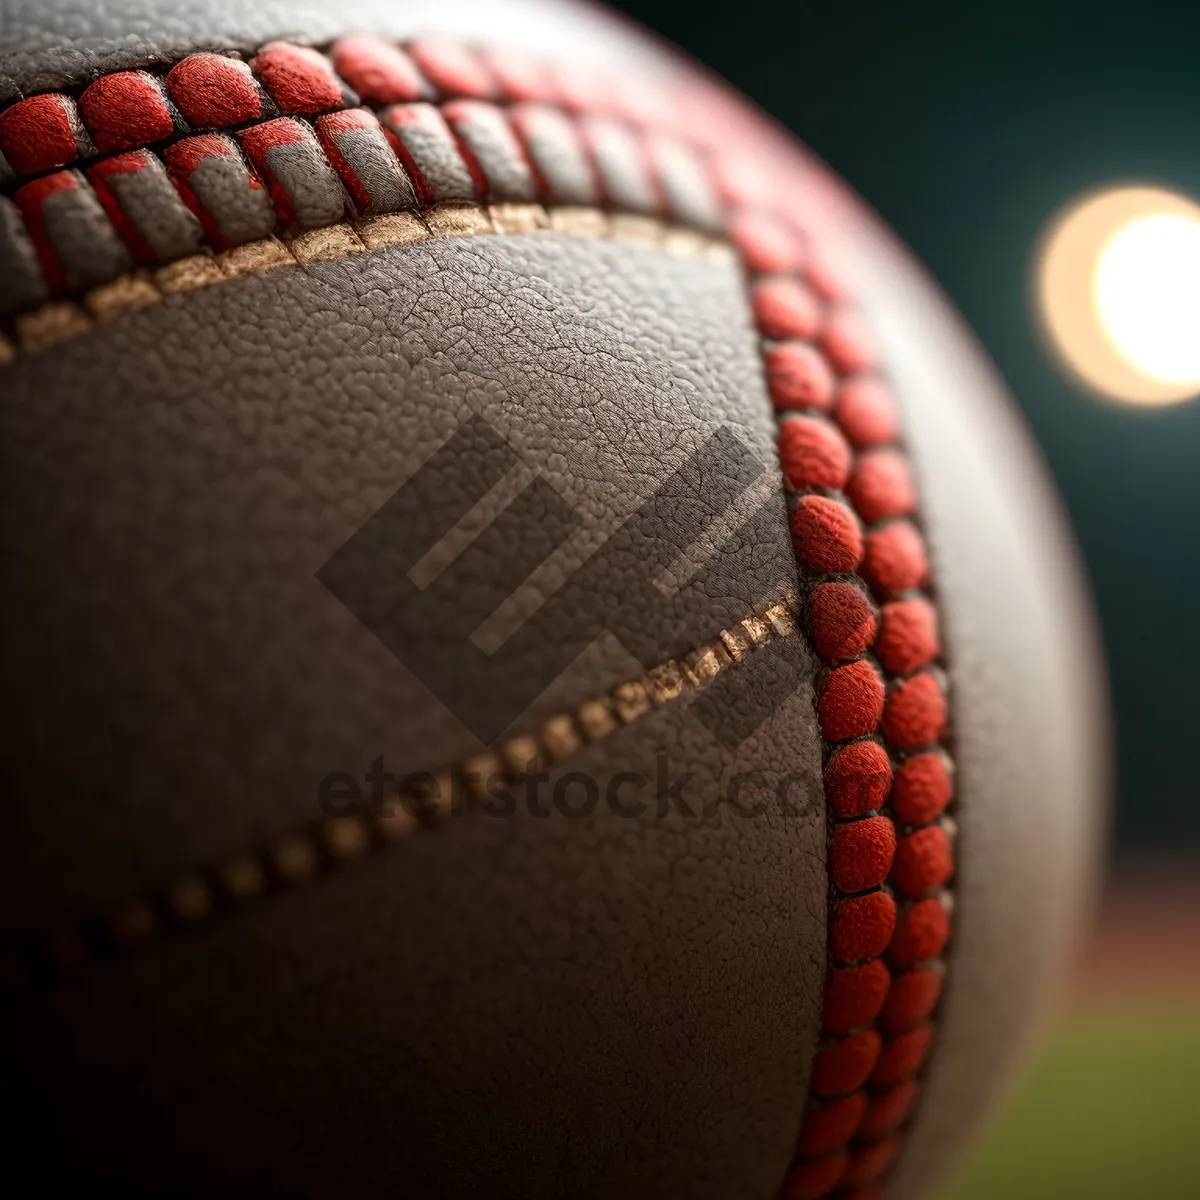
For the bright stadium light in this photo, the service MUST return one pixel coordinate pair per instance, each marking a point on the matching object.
(1119, 292)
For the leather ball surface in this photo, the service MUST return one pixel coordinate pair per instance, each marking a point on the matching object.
(541, 661)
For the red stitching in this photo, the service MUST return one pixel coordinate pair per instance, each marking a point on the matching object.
(887, 783)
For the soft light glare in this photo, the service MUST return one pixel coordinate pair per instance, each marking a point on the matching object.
(1147, 292)
(1119, 290)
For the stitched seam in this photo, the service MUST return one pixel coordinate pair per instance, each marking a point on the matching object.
(882, 693)
(576, 92)
(65, 133)
(60, 320)
(312, 852)
(835, 461)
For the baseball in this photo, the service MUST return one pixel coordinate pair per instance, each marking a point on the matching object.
(541, 659)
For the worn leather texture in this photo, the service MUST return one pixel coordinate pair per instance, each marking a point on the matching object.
(173, 486)
(521, 1007)
(201, 462)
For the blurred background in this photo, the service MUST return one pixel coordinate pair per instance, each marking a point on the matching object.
(969, 126)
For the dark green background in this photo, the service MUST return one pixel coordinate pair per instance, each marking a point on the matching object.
(966, 124)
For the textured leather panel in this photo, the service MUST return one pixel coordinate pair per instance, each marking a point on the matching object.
(1027, 705)
(517, 1008)
(173, 484)
(61, 43)
(538, 1006)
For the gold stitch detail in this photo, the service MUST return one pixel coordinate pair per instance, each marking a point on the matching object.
(631, 700)
(596, 719)
(328, 244)
(635, 230)
(440, 804)
(686, 243)
(721, 253)
(579, 222)
(519, 218)
(58, 320)
(705, 664)
(521, 754)
(757, 630)
(242, 878)
(134, 926)
(666, 682)
(263, 255)
(53, 322)
(188, 274)
(295, 859)
(560, 737)
(458, 219)
(735, 644)
(479, 768)
(393, 229)
(347, 837)
(781, 619)
(395, 820)
(190, 901)
(124, 295)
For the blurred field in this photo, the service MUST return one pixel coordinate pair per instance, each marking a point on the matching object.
(1110, 1112)
(1111, 1109)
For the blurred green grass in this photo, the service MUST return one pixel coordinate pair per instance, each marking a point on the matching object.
(1111, 1111)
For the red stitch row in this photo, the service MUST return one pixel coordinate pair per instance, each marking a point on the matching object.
(218, 152)
(128, 110)
(881, 707)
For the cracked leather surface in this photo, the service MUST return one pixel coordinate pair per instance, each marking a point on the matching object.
(522, 1007)
(240, 437)
(172, 486)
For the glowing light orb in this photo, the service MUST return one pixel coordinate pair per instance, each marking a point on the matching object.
(1119, 292)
